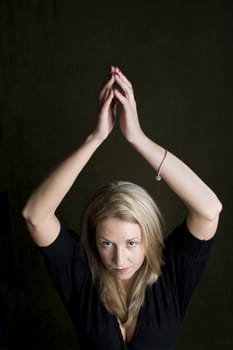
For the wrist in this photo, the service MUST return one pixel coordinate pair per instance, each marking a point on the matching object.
(138, 139)
(95, 138)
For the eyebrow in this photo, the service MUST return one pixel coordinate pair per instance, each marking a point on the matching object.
(130, 239)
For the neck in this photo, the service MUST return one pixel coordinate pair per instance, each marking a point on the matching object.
(125, 286)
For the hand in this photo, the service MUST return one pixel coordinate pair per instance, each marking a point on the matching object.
(107, 104)
(128, 116)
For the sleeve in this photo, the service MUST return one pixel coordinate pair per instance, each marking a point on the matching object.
(66, 263)
(185, 257)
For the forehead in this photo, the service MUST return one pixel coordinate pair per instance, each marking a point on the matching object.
(117, 229)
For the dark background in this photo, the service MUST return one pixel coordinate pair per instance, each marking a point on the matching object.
(54, 57)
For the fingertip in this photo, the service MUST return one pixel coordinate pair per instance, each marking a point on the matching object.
(117, 77)
(110, 80)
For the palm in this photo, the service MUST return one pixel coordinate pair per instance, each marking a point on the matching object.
(129, 123)
(106, 115)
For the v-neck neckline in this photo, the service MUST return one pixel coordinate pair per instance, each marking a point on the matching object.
(117, 327)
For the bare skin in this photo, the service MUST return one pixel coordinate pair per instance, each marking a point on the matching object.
(121, 248)
(202, 204)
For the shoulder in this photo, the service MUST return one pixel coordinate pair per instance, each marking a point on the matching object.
(185, 257)
(182, 241)
(66, 246)
(66, 263)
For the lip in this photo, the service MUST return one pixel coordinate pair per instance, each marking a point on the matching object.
(124, 270)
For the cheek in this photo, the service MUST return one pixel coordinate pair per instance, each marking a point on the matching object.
(104, 255)
(139, 257)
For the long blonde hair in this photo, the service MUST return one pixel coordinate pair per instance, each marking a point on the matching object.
(128, 202)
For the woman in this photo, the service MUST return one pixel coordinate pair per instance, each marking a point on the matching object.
(123, 285)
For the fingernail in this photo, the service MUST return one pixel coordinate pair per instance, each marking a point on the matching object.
(118, 70)
(117, 73)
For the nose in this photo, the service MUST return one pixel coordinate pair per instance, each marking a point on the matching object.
(119, 257)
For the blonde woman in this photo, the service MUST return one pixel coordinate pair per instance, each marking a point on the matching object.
(124, 286)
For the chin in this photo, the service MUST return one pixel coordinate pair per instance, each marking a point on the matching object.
(123, 276)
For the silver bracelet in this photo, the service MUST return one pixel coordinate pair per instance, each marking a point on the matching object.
(158, 177)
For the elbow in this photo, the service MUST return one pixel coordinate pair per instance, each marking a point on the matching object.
(209, 210)
(220, 207)
(34, 216)
(28, 216)
(214, 210)
(24, 212)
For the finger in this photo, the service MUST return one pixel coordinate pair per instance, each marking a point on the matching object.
(107, 86)
(114, 104)
(108, 99)
(110, 104)
(120, 77)
(108, 77)
(128, 91)
(112, 69)
(109, 82)
(120, 97)
(103, 96)
(123, 77)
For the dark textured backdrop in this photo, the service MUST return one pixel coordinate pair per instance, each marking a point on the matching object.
(54, 56)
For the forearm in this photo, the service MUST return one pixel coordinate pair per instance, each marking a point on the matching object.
(47, 197)
(196, 195)
(203, 205)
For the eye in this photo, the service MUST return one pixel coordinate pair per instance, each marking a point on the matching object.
(132, 244)
(106, 244)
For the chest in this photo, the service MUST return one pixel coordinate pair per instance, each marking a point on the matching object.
(128, 332)
(155, 327)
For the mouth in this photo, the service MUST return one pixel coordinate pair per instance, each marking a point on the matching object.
(124, 270)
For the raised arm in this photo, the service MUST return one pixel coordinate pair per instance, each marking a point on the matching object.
(39, 211)
(202, 203)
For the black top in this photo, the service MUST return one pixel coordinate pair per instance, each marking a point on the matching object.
(165, 301)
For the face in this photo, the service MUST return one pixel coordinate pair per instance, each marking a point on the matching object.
(121, 247)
